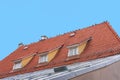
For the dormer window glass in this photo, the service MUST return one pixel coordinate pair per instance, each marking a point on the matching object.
(43, 58)
(17, 65)
(73, 51)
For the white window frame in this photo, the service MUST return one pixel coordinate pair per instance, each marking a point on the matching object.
(17, 65)
(73, 51)
(43, 58)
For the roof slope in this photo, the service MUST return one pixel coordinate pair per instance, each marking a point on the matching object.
(104, 42)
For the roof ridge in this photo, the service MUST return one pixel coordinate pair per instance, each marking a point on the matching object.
(62, 34)
(74, 30)
(66, 33)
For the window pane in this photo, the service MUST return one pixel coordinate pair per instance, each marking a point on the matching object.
(43, 58)
(73, 51)
(17, 65)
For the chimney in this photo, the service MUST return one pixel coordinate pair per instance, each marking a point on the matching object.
(44, 37)
(20, 44)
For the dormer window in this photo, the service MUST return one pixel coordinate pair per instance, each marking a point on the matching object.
(46, 57)
(73, 51)
(17, 65)
(43, 58)
(22, 62)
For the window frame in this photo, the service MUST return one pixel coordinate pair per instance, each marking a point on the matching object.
(73, 51)
(17, 64)
(74, 47)
(43, 58)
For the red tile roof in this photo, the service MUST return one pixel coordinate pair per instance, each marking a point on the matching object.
(104, 42)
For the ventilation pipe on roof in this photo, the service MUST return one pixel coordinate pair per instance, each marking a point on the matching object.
(25, 47)
(72, 34)
(20, 44)
(44, 37)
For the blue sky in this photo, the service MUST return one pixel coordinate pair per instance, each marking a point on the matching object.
(26, 20)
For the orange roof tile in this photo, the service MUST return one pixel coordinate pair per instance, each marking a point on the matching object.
(104, 42)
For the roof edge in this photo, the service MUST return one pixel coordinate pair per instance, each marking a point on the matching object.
(112, 30)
